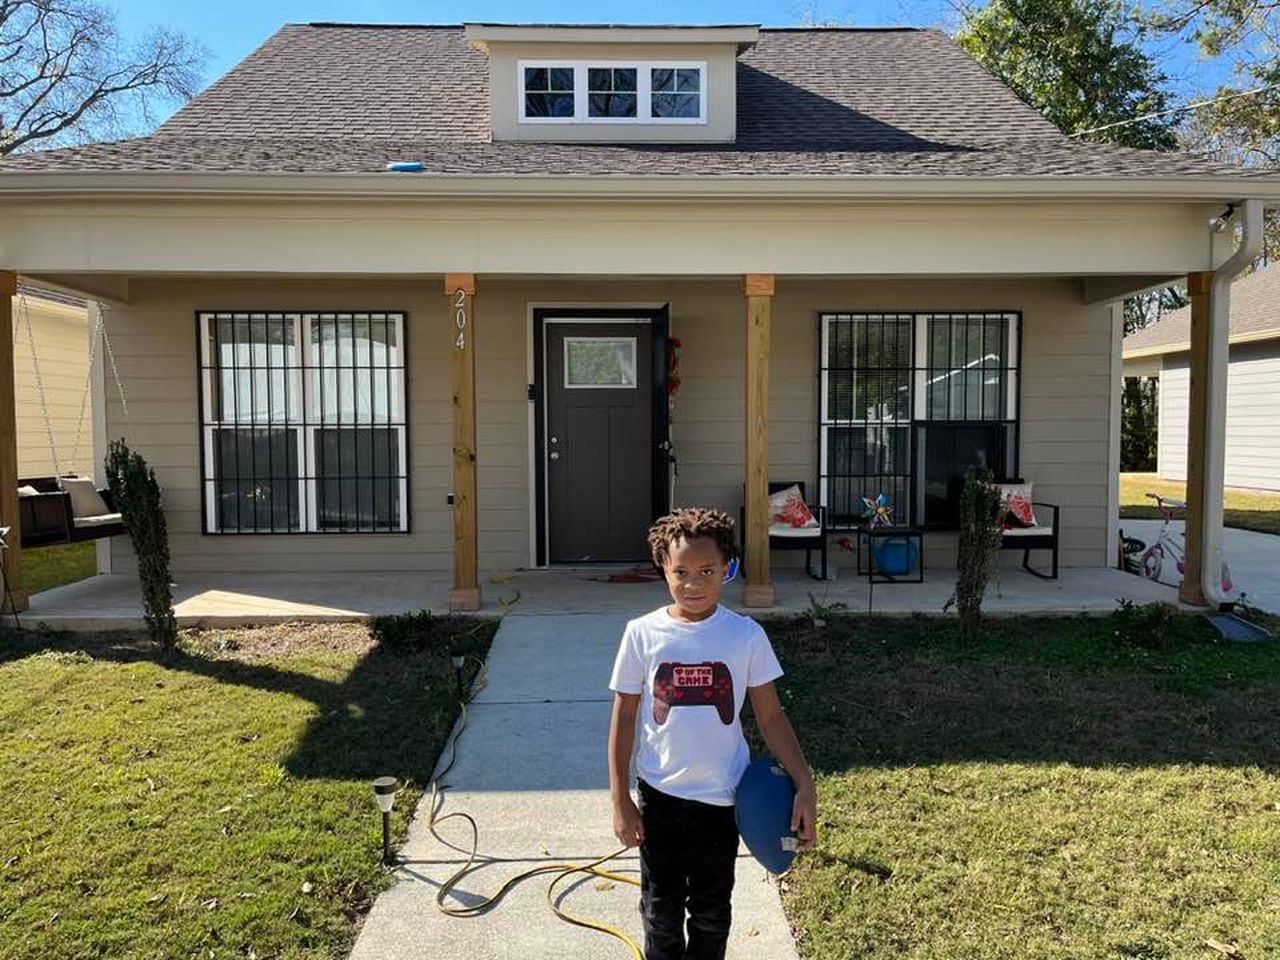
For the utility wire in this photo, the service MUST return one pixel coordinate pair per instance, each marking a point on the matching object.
(1181, 109)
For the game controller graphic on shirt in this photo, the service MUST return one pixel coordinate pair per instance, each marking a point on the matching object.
(706, 684)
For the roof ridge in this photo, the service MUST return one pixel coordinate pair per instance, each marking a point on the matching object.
(787, 28)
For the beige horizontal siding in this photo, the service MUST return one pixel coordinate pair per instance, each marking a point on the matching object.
(60, 335)
(1065, 402)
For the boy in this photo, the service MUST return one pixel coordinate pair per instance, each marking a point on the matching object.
(686, 669)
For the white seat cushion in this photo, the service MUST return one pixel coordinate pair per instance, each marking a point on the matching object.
(1036, 531)
(786, 530)
(101, 520)
(26, 490)
(85, 499)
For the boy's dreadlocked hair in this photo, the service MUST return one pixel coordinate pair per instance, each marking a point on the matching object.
(688, 523)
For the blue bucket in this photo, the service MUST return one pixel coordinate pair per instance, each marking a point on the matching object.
(896, 556)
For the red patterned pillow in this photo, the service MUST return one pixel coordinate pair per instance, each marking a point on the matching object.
(787, 506)
(1016, 509)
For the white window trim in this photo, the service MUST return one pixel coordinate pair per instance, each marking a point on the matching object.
(644, 91)
(301, 396)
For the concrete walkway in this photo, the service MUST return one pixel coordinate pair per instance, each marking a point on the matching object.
(1254, 559)
(531, 770)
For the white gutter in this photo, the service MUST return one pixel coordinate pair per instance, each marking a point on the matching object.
(66, 184)
(1216, 399)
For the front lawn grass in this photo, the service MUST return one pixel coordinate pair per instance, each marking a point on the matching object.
(1247, 509)
(214, 802)
(52, 566)
(1057, 789)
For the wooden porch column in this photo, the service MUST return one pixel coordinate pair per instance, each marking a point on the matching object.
(9, 449)
(758, 288)
(1198, 288)
(460, 290)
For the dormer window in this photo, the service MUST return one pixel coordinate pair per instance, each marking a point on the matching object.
(627, 93)
(677, 92)
(548, 92)
(611, 92)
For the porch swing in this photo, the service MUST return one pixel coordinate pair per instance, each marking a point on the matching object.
(67, 508)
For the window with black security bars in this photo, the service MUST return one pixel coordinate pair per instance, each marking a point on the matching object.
(910, 401)
(303, 422)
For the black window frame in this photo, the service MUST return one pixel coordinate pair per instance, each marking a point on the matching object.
(1007, 430)
(298, 416)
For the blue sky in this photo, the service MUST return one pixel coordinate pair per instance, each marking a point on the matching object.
(230, 29)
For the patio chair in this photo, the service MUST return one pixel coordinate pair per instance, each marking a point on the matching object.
(1040, 536)
(784, 537)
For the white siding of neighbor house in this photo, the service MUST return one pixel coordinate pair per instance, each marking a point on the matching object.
(1253, 428)
(1065, 402)
(60, 334)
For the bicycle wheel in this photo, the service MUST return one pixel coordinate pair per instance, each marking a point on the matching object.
(1152, 561)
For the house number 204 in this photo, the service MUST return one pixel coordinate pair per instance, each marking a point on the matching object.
(460, 318)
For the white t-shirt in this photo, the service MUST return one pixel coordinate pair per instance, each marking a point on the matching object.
(693, 678)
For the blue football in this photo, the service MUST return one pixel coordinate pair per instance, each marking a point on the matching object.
(762, 807)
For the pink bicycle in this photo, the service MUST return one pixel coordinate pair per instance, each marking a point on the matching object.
(1170, 545)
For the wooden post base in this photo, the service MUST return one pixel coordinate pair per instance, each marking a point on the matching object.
(464, 599)
(21, 601)
(758, 596)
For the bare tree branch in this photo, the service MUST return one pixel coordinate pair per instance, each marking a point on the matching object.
(67, 76)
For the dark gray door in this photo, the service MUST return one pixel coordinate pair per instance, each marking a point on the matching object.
(599, 439)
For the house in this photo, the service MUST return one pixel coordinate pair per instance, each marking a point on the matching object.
(1163, 350)
(51, 373)
(407, 299)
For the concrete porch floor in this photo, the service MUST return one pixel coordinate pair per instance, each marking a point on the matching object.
(111, 601)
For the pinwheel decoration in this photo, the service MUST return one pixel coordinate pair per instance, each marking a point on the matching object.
(878, 511)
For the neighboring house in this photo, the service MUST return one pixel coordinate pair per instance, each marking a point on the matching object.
(1163, 350)
(881, 265)
(59, 331)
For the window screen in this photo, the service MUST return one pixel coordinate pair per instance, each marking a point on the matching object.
(908, 403)
(303, 422)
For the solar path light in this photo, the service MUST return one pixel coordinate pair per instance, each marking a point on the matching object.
(384, 791)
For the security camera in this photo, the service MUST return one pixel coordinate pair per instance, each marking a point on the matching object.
(1217, 224)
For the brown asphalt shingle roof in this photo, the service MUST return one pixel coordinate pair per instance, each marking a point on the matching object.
(848, 102)
(1255, 313)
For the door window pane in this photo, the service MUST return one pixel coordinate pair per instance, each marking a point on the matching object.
(599, 361)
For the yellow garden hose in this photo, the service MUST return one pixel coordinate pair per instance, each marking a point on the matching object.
(561, 870)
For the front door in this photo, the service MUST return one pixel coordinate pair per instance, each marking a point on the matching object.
(598, 438)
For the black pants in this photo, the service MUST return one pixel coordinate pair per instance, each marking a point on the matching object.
(686, 863)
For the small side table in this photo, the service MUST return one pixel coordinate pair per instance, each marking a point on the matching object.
(907, 544)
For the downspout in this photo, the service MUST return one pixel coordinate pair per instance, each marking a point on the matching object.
(1216, 400)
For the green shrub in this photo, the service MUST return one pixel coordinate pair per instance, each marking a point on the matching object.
(1147, 625)
(979, 543)
(136, 494)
